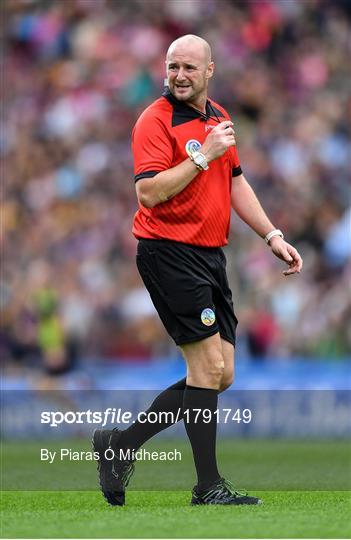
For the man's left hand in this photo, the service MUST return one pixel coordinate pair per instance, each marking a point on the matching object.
(287, 253)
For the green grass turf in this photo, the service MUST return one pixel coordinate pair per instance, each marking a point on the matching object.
(254, 464)
(303, 484)
(168, 515)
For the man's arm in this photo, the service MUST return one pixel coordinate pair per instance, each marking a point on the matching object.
(249, 209)
(166, 184)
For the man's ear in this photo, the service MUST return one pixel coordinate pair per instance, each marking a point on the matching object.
(210, 70)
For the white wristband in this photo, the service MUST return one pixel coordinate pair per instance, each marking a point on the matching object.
(275, 232)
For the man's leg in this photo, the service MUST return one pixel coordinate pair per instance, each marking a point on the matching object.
(171, 400)
(205, 370)
(138, 433)
(217, 363)
(114, 474)
(210, 365)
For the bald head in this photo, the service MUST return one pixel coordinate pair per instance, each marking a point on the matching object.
(191, 43)
(189, 68)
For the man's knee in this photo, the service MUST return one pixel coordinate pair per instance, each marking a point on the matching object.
(215, 371)
(208, 374)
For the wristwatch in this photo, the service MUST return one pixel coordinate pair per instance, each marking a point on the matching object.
(200, 161)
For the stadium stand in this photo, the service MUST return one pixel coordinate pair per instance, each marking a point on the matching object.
(78, 73)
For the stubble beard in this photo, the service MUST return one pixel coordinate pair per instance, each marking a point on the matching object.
(190, 98)
(189, 94)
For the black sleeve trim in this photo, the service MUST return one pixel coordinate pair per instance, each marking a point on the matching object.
(146, 174)
(236, 171)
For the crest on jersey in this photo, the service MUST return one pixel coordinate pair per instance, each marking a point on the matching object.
(192, 146)
(208, 317)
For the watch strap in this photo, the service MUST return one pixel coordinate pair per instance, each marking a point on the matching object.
(270, 235)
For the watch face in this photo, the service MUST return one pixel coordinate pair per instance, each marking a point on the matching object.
(201, 162)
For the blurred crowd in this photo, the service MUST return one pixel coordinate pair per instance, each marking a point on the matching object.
(77, 73)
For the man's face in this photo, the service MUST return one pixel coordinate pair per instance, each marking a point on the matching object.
(188, 72)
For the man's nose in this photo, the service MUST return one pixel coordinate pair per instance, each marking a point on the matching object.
(181, 74)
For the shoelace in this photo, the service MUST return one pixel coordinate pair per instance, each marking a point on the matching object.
(232, 490)
(127, 468)
(127, 473)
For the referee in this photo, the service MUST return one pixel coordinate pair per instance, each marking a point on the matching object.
(188, 176)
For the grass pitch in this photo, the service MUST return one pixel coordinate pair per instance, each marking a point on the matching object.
(303, 485)
(168, 515)
(253, 464)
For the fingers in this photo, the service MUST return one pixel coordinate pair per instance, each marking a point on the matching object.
(289, 254)
(229, 128)
(229, 131)
(225, 133)
(221, 138)
(292, 270)
(293, 259)
(226, 125)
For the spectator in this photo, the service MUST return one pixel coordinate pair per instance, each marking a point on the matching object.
(77, 75)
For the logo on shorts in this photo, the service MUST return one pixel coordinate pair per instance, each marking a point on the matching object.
(208, 317)
(192, 146)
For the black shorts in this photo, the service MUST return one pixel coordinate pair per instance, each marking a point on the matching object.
(189, 288)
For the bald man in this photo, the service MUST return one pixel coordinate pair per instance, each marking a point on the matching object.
(190, 89)
(188, 176)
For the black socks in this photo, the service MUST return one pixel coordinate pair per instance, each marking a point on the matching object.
(170, 400)
(201, 433)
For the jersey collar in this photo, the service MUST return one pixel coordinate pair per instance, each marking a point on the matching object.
(185, 113)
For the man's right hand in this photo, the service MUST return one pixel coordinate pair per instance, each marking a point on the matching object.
(218, 140)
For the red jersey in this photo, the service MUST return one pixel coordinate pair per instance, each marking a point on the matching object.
(162, 137)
